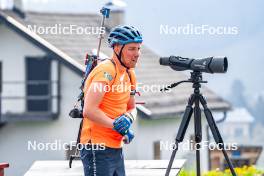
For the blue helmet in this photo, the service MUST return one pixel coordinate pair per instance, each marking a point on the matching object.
(123, 35)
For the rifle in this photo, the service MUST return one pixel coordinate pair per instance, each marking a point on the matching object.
(90, 61)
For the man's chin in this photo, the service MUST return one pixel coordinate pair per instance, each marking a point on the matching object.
(134, 66)
(131, 66)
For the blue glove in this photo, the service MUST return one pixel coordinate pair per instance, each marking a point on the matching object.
(129, 136)
(122, 124)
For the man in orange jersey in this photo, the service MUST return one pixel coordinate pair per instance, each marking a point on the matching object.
(109, 105)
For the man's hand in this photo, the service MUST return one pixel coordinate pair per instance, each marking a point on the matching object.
(129, 136)
(122, 124)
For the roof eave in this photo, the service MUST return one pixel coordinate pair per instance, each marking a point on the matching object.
(41, 43)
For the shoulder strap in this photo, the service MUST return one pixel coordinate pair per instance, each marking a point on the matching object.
(115, 69)
(133, 92)
(129, 75)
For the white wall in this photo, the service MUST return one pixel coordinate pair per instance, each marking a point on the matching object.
(13, 50)
(15, 136)
(230, 131)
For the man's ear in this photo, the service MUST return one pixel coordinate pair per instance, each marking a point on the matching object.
(117, 48)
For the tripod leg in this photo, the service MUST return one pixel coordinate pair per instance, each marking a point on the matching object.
(198, 133)
(181, 132)
(216, 134)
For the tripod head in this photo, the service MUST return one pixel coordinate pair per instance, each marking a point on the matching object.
(196, 78)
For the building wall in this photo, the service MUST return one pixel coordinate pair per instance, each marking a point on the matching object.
(13, 50)
(236, 132)
(16, 137)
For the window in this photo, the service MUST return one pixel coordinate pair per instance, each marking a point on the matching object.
(239, 132)
(33, 92)
(38, 84)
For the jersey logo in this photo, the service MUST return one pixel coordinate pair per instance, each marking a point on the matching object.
(108, 76)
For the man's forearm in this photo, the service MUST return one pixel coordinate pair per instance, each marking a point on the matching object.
(98, 116)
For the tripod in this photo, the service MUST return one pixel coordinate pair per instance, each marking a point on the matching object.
(196, 98)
